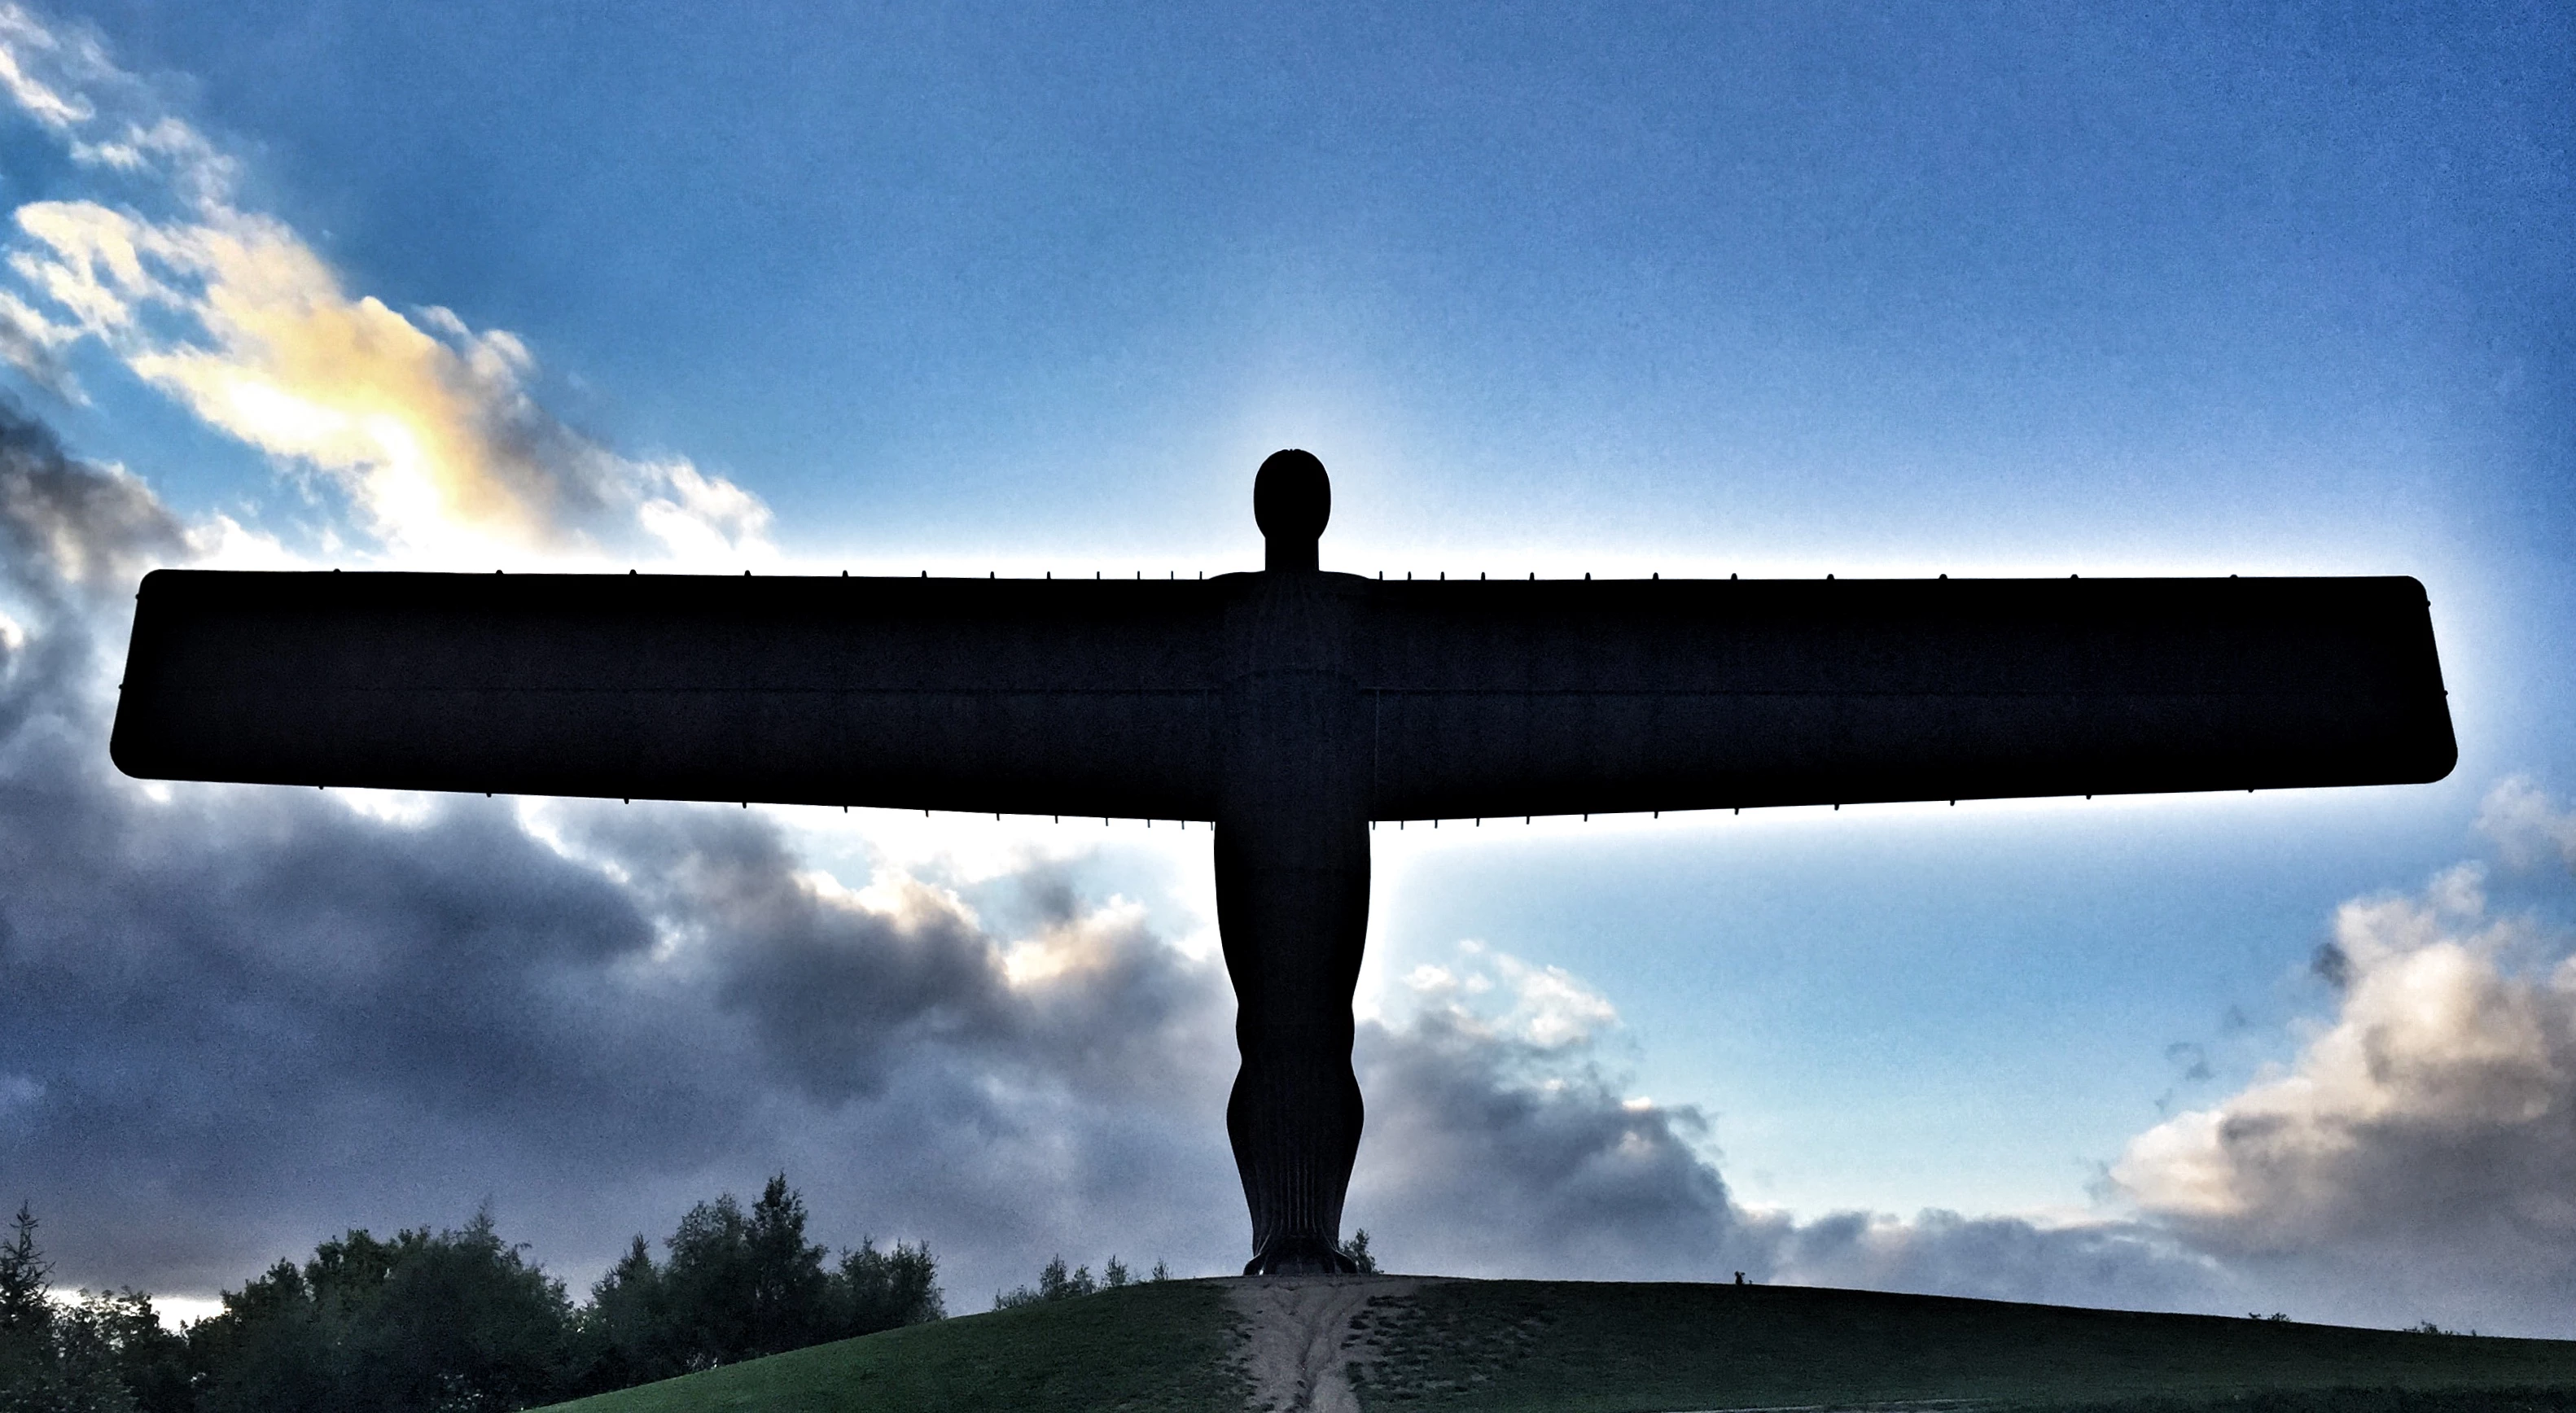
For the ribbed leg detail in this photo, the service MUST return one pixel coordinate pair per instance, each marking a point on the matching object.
(1293, 917)
(1295, 1120)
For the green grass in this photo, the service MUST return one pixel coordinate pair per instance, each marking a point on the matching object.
(1563, 1347)
(1575, 1347)
(1158, 1347)
(2334, 1400)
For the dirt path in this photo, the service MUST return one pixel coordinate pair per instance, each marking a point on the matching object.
(1300, 1334)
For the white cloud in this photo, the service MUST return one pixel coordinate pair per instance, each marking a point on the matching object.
(2110, 1264)
(427, 426)
(1498, 995)
(704, 519)
(1553, 1007)
(37, 347)
(2525, 826)
(24, 39)
(2419, 1147)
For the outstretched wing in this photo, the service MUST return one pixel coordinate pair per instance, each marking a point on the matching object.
(1566, 697)
(956, 694)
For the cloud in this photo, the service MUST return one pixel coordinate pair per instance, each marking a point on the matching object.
(1548, 1008)
(1502, 1144)
(36, 346)
(74, 534)
(23, 38)
(1488, 1155)
(426, 426)
(2105, 1264)
(2525, 826)
(2412, 1161)
(1499, 1142)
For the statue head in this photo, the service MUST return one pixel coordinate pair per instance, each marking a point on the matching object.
(1292, 498)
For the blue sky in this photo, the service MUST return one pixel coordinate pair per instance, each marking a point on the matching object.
(1870, 289)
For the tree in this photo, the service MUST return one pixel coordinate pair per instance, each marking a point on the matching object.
(743, 1285)
(64, 1361)
(707, 1286)
(1056, 1283)
(739, 1285)
(461, 1321)
(121, 1335)
(1053, 1284)
(455, 1322)
(268, 1349)
(26, 1311)
(619, 1338)
(1357, 1250)
(790, 1293)
(881, 1290)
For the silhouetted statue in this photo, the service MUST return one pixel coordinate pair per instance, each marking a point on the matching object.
(1290, 707)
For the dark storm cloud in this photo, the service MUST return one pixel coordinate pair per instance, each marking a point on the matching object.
(214, 999)
(1489, 1155)
(833, 994)
(828, 993)
(71, 531)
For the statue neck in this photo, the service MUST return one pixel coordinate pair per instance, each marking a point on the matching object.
(1288, 554)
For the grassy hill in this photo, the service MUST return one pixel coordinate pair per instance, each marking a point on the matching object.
(1578, 1347)
(1585, 1348)
(1160, 1347)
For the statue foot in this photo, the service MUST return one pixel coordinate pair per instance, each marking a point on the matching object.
(1300, 1256)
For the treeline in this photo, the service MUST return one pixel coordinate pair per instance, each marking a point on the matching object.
(1057, 1283)
(454, 1321)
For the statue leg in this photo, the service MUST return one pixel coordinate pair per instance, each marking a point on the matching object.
(1292, 908)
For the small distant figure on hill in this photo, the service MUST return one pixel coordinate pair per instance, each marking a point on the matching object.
(1739, 1278)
